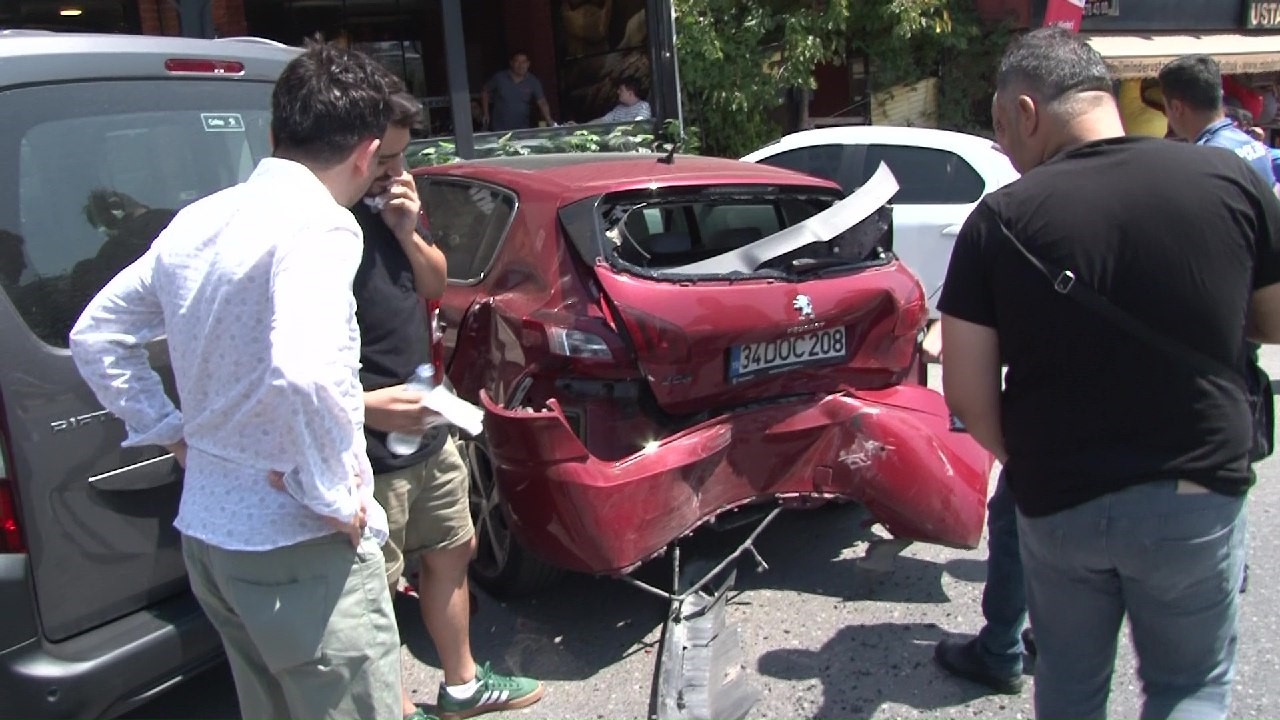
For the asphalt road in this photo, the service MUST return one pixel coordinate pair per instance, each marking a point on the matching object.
(822, 636)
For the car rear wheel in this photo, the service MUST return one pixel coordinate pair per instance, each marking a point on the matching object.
(502, 565)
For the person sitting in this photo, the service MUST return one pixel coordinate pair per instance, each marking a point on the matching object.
(630, 107)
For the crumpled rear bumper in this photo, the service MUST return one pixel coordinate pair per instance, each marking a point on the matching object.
(891, 450)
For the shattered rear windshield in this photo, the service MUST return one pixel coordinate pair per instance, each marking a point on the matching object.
(690, 229)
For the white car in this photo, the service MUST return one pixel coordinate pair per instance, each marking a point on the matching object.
(942, 176)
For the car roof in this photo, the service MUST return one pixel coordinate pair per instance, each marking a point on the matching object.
(580, 175)
(879, 134)
(36, 56)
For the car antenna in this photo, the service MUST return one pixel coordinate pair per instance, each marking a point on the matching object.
(670, 157)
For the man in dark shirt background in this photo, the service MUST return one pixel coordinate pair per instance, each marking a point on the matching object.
(512, 93)
(424, 493)
(1129, 472)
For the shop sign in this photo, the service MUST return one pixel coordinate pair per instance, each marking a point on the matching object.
(1262, 15)
(1102, 8)
(1064, 13)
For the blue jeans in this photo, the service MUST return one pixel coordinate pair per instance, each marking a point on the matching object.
(1004, 599)
(1170, 555)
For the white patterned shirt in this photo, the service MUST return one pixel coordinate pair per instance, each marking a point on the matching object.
(252, 287)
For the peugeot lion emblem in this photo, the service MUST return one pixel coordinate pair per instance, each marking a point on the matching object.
(804, 306)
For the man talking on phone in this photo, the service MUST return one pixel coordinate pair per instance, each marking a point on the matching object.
(424, 492)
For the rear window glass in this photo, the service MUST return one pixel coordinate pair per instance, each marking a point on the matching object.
(96, 170)
(668, 233)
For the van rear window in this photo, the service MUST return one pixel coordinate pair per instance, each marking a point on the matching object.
(94, 171)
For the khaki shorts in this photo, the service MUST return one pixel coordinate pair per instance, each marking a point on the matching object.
(427, 508)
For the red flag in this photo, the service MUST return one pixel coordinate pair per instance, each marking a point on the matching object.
(1064, 13)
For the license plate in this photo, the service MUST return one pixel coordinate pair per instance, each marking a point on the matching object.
(787, 352)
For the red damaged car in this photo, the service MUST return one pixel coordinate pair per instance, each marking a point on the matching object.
(657, 340)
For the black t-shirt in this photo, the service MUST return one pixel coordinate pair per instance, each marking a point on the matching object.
(1176, 235)
(395, 336)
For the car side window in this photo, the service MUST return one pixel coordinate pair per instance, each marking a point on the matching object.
(468, 222)
(926, 176)
(838, 163)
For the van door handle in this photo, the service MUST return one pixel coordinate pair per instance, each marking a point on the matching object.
(145, 475)
(951, 230)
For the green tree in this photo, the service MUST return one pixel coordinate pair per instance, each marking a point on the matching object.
(738, 58)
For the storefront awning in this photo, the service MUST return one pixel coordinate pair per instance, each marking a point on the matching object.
(1131, 56)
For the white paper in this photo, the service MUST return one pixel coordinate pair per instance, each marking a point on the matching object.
(454, 409)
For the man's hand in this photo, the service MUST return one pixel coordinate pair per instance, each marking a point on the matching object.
(179, 450)
(353, 528)
(931, 346)
(402, 208)
(396, 409)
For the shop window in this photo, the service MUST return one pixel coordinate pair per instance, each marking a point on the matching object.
(598, 43)
(401, 57)
(110, 16)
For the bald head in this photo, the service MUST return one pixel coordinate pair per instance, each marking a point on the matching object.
(1052, 64)
(1052, 91)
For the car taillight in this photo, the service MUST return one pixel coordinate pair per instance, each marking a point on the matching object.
(204, 67)
(577, 344)
(655, 337)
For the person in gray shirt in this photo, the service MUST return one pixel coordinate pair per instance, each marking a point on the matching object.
(512, 93)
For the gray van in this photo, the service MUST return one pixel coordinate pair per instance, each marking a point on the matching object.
(102, 139)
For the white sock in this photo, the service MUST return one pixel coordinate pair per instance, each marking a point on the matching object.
(463, 691)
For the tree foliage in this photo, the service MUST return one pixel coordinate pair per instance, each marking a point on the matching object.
(738, 58)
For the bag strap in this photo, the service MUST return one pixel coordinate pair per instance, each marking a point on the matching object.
(1065, 283)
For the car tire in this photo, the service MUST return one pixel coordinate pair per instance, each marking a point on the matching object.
(502, 566)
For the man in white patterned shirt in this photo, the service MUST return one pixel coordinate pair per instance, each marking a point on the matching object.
(630, 107)
(251, 287)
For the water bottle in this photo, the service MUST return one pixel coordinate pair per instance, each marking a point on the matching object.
(424, 378)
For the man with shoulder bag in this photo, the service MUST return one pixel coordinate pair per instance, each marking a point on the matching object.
(1124, 422)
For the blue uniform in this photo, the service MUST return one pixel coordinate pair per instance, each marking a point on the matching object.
(1225, 134)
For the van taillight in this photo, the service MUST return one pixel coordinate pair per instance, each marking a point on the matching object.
(204, 67)
(10, 533)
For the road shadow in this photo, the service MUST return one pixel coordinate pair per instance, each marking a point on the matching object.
(569, 632)
(854, 688)
(585, 624)
(211, 695)
(819, 552)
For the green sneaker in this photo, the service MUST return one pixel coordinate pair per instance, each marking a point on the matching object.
(495, 692)
(420, 714)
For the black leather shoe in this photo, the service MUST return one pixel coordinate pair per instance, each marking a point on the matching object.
(964, 659)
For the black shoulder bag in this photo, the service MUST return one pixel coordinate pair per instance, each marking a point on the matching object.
(1250, 379)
